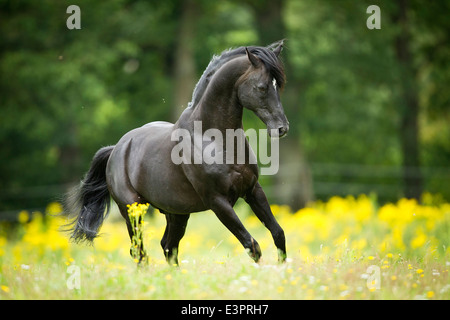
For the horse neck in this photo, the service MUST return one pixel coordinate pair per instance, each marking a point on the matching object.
(219, 107)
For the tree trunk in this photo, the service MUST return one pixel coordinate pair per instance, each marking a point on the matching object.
(185, 74)
(409, 106)
(70, 155)
(293, 183)
(269, 20)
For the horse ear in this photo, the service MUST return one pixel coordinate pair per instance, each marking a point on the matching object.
(256, 62)
(278, 49)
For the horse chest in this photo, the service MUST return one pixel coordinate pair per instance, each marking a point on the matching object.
(241, 179)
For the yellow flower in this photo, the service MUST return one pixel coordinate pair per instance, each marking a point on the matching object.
(430, 294)
(343, 287)
(419, 271)
(137, 209)
(4, 288)
(54, 208)
(2, 244)
(419, 240)
(69, 261)
(23, 216)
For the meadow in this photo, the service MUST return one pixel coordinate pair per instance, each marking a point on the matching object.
(344, 248)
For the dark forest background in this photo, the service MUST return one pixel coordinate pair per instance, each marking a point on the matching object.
(369, 109)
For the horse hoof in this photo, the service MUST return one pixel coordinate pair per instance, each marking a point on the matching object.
(281, 256)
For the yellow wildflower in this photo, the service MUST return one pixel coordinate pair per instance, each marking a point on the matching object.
(23, 216)
(54, 208)
(419, 240)
(136, 213)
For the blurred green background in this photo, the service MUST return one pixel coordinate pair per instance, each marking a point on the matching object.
(368, 109)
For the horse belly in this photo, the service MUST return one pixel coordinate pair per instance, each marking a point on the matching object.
(170, 191)
(156, 178)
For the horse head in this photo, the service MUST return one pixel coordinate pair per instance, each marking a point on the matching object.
(259, 88)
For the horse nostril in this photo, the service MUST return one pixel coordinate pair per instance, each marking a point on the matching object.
(282, 131)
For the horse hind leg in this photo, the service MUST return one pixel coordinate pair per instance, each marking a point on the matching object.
(124, 194)
(174, 232)
(137, 250)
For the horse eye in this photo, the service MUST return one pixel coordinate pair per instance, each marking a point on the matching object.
(261, 87)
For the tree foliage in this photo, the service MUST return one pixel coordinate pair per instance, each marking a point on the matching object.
(65, 93)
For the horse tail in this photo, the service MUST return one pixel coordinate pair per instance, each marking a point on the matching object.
(90, 201)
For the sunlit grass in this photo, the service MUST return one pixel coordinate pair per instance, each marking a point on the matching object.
(345, 248)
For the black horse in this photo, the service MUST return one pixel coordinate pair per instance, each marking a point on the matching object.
(139, 168)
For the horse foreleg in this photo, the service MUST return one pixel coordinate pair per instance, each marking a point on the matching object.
(175, 229)
(225, 212)
(260, 206)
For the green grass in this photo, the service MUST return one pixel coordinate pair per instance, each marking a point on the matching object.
(228, 278)
(333, 256)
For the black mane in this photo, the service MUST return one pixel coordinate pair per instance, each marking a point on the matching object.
(273, 65)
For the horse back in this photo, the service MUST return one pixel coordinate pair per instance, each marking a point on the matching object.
(141, 162)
